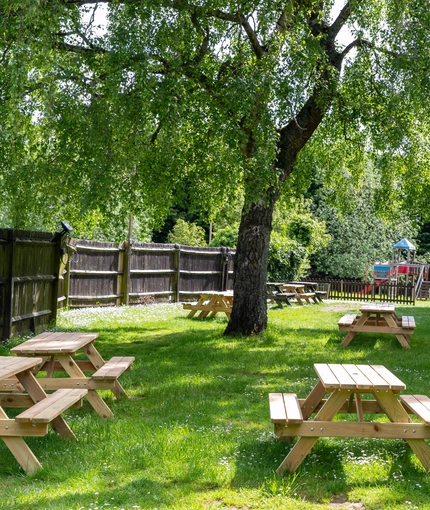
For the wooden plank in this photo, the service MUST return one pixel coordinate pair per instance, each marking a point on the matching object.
(10, 427)
(383, 430)
(408, 322)
(326, 376)
(376, 380)
(342, 375)
(52, 406)
(292, 407)
(360, 379)
(394, 382)
(277, 408)
(347, 319)
(418, 405)
(9, 366)
(113, 368)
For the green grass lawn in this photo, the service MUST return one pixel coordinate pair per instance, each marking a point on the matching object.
(196, 432)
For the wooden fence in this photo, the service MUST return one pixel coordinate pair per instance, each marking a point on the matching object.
(347, 290)
(37, 275)
(102, 274)
(29, 277)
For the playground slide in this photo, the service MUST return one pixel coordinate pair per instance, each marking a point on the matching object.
(367, 289)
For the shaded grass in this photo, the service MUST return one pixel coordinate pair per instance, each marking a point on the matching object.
(196, 432)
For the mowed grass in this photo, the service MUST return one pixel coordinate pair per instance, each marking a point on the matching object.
(196, 432)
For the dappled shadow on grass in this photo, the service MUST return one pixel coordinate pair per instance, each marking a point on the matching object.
(202, 390)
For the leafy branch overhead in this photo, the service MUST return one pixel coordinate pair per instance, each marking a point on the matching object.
(126, 105)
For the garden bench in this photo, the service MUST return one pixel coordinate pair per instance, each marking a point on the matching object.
(418, 405)
(285, 408)
(408, 322)
(46, 410)
(347, 320)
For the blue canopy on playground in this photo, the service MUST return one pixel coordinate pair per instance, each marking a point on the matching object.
(404, 244)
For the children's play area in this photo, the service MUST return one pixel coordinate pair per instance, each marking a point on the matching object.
(403, 268)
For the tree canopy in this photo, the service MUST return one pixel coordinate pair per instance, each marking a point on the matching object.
(224, 98)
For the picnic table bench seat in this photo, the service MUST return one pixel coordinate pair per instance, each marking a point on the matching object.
(52, 406)
(113, 368)
(280, 297)
(306, 296)
(418, 405)
(408, 322)
(347, 320)
(285, 408)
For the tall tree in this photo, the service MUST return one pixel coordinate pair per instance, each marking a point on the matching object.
(223, 94)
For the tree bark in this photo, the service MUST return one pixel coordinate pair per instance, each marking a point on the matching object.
(249, 313)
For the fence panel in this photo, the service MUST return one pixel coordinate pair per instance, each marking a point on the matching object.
(95, 274)
(359, 291)
(135, 273)
(152, 272)
(28, 281)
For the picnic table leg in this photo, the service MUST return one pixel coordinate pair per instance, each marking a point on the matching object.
(33, 388)
(303, 446)
(360, 322)
(404, 340)
(348, 338)
(396, 413)
(92, 396)
(97, 360)
(21, 451)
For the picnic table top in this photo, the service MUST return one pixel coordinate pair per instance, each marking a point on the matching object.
(54, 343)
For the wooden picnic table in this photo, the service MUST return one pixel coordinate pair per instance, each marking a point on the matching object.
(299, 289)
(312, 417)
(378, 318)
(211, 303)
(58, 351)
(42, 410)
(280, 297)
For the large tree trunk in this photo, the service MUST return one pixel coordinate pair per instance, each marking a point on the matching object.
(249, 314)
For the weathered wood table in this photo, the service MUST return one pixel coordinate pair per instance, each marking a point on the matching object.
(211, 303)
(275, 293)
(299, 289)
(378, 318)
(58, 351)
(345, 384)
(43, 410)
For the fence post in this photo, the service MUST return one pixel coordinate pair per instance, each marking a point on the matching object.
(9, 283)
(224, 268)
(178, 271)
(56, 270)
(66, 288)
(126, 281)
